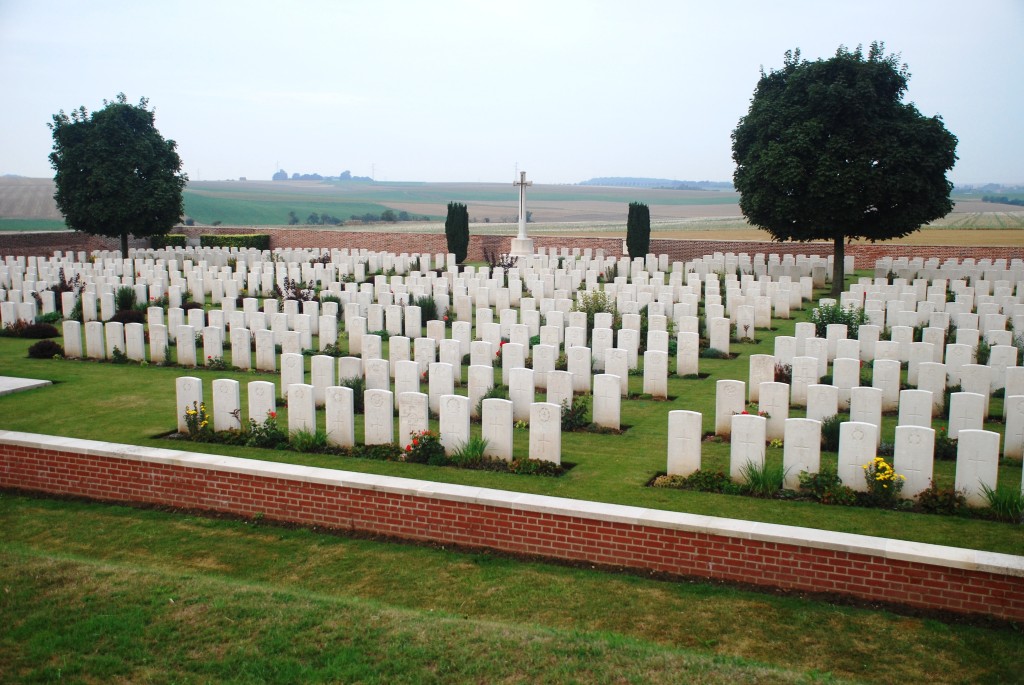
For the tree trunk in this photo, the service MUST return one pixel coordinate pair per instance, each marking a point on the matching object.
(838, 268)
(124, 245)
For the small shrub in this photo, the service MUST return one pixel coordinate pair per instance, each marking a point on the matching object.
(700, 481)
(712, 353)
(425, 448)
(117, 356)
(50, 318)
(332, 350)
(947, 501)
(783, 373)
(197, 422)
(124, 298)
(308, 441)
(594, 302)
(983, 351)
(574, 413)
(884, 484)
(497, 392)
(826, 487)
(267, 434)
(39, 330)
(830, 433)
(358, 385)
(945, 446)
(470, 453)
(428, 308)
(45, 349)
(823, 315)
(763, 480)
(216, 363)
(128, 316)
(1006, 504)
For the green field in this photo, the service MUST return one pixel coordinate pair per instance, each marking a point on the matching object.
(8, 224)
(264, 210)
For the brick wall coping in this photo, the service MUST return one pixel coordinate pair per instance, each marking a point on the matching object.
(902, 550)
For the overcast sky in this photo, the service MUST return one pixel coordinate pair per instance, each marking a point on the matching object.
(464, 90)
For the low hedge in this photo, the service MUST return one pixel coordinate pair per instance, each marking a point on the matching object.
(169, 240)
(261, 241)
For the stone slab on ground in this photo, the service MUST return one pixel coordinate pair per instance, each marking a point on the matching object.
(10, 384)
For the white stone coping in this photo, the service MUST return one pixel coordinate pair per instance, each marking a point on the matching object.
(902, 550)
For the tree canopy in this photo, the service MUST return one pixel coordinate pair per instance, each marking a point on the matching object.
(829, 151)
(115, 174)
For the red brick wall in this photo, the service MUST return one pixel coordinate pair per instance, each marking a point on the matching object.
(574, 535)
(45, 243)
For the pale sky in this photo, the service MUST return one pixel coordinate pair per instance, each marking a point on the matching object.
(464, 90)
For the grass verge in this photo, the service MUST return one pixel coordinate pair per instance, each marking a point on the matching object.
(93, 592)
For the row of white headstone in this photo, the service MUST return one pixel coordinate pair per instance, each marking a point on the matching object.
(977, 462)
(545, 433)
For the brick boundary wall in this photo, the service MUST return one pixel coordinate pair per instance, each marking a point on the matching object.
(783, 557)
(44, 243)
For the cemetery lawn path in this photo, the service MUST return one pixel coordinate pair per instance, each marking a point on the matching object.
(101, 593)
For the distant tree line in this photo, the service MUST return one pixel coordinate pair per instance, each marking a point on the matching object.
(346, 175)
(324, 219)
(1004, 200)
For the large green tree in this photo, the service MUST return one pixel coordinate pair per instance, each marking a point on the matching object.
(829, 151)
(456, 230)
(115, 174)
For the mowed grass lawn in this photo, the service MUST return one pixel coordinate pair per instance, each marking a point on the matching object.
(101, 593)
(104, 593)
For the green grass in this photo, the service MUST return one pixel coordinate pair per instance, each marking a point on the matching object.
(100, 593)
(9, 224)
(126, 403)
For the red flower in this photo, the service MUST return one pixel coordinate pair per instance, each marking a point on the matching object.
(744, 412)
(272, 414)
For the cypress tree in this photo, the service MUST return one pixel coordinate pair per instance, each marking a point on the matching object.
(456, 230)
(638, 230)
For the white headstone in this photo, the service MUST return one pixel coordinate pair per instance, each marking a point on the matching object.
(226, 405)
(496, 427)
(188, 395)
(729, 400)
(685, 433)
(546, 432)
(747, 444)
(801, 450)
(607, 401)
(262, 401)
(380, 417)
(857, 444)
(977, 463)
(454, 422)
(915, 408)
(822, 401)
(913, 457)
(413, 416)
(301, 408)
